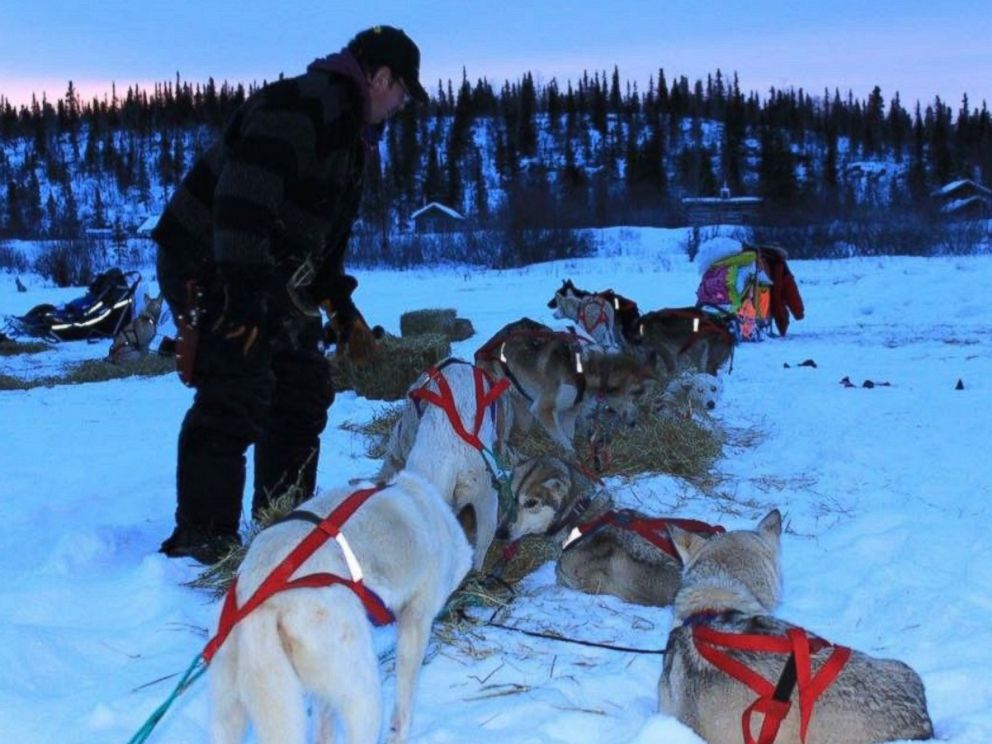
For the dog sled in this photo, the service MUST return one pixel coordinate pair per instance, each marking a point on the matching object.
(756, 286)
(105, 308)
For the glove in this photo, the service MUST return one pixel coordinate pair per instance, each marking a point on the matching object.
(243, 314)
(354, 337)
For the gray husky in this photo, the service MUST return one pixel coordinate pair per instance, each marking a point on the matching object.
(134, 339)
(733, 673)
(554, 380)
(604, 550)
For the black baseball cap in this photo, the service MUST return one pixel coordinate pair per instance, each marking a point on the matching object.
(388, 46)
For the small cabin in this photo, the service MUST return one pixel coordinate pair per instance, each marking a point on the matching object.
(964, 199)
(436, 217)
(724, 209)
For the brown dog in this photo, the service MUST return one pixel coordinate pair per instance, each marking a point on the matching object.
(554, 379)
(686, 339)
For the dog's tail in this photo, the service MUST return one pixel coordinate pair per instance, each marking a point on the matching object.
(256, 675)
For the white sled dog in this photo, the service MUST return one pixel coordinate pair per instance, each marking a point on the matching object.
(411, 552)
(426, 441)
(733, 671)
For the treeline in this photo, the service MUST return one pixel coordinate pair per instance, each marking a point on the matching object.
(590, 153)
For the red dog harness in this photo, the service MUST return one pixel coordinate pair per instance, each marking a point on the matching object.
(445, 400)
(279, 579)
(590, 324)
(655, 531)
(773, 701)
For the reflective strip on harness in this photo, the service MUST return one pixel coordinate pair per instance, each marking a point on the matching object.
(800, 645)
(279, 579)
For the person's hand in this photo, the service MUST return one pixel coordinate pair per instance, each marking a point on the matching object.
(243, 314)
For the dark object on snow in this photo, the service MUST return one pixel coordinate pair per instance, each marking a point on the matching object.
(872, 384)
(20, 284)
(807, 363)
(960, 385)
(105, 308)
(846, 382)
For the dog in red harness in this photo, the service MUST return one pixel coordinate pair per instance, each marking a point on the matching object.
(557, 380)
(605, 549)
(447, 432)
(687, 339)
(297, 619)
(737, 675)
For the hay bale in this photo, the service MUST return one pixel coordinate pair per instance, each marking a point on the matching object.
(461, 329)
(395, 365)
(417, 322)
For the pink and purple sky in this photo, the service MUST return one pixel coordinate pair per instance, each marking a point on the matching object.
(920, 48)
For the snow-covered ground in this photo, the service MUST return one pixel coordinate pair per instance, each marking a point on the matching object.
(886, 495)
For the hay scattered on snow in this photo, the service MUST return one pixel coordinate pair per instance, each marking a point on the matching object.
(395, 365)
(95, 370)
(656, 444)
(217, 578)
(11, 347)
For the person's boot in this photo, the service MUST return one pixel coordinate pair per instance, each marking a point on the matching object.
(204, 546)
(210, 481)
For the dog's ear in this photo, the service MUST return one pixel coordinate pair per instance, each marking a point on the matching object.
(687, 544)
(771, 526)
(557, 487)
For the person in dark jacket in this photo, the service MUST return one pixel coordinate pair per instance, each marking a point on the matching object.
(259, 229)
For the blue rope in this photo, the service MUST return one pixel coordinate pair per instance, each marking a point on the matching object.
(193, 673)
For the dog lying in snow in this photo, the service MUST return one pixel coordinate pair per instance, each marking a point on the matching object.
(689, 394)
(605, 550)
(731, 669)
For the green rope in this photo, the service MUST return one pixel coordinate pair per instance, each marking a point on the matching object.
(501, 478)
(193, 673)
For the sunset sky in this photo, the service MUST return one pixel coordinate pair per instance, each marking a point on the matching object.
(918, 48)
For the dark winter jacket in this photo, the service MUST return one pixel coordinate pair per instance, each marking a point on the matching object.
(281, 187)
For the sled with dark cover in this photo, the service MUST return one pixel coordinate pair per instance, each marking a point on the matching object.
(105, 308)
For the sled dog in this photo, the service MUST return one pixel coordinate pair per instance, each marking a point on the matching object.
(566, 302)
(686, 339)
(425, 440)
(408, 548)
(553, 379)
(594, 316)
(729, 664)
(605, 550)
(689, 393)
(135, 338)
